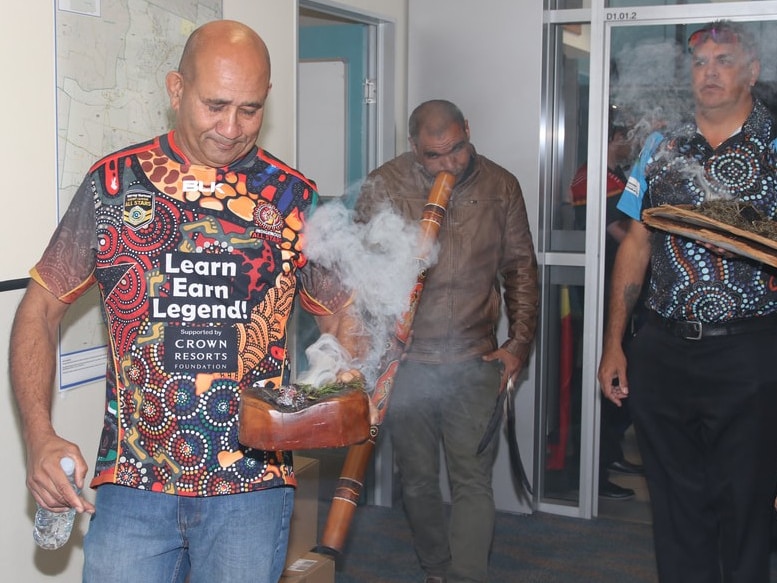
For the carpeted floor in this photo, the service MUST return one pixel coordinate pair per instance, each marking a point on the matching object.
(539, 548)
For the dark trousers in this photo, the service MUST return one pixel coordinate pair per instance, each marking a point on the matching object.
(614, 423)
(446, 407)
(705, 416)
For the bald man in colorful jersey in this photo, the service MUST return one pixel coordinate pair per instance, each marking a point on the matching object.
(194, 240)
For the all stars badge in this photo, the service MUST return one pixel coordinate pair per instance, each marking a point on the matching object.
(138, 208)
(268, 222)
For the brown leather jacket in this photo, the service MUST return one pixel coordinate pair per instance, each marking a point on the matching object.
(485, 247)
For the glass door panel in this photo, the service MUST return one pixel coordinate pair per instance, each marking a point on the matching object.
(570, 42)
(563, 297)
(562, 236)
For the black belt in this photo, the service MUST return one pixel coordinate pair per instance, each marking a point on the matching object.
(691, 330)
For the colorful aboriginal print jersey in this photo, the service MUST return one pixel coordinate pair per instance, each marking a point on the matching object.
(688, 282)
(197, 268)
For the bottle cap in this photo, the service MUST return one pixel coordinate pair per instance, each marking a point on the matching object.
(68, 465)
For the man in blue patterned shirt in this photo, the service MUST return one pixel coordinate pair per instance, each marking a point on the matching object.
(701, 377)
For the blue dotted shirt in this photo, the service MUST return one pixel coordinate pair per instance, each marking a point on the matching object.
(687, 281)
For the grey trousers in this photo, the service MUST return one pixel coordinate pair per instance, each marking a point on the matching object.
(446, 407)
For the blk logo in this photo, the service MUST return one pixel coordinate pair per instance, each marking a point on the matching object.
(200, 186)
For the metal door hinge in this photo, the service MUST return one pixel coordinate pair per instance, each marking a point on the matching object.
(369, 91)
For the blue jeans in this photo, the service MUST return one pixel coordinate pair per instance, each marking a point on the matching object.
(137, 535)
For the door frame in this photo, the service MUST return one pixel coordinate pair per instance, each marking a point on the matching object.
(380, 147)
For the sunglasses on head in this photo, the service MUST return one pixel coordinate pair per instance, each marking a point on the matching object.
(718, 36)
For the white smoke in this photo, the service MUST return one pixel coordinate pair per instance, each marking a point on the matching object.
(378, 260)
(651, 88)
(325, 358)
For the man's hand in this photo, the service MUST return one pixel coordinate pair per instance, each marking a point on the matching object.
(46, 480)
(725, 253)
(511, 365)
(349, 376)
(612, 374)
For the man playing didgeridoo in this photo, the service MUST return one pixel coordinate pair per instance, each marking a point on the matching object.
(445, 389)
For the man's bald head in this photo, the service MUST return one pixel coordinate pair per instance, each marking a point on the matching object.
(217, 37)
(434, 117)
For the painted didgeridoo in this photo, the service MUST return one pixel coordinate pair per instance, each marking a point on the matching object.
(349, 486)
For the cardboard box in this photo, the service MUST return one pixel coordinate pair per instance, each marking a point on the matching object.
(311, 568)
(303, 533)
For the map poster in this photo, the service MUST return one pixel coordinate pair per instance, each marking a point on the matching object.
(112, 59)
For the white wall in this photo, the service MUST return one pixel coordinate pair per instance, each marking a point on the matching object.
(28, 119)
(488, 62)
(78, 416)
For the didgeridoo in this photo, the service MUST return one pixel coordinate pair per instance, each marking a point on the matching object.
(351, 482)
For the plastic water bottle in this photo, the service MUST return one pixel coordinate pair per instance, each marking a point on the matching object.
(52, 529)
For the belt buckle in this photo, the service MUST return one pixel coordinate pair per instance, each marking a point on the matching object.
(694, 330)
